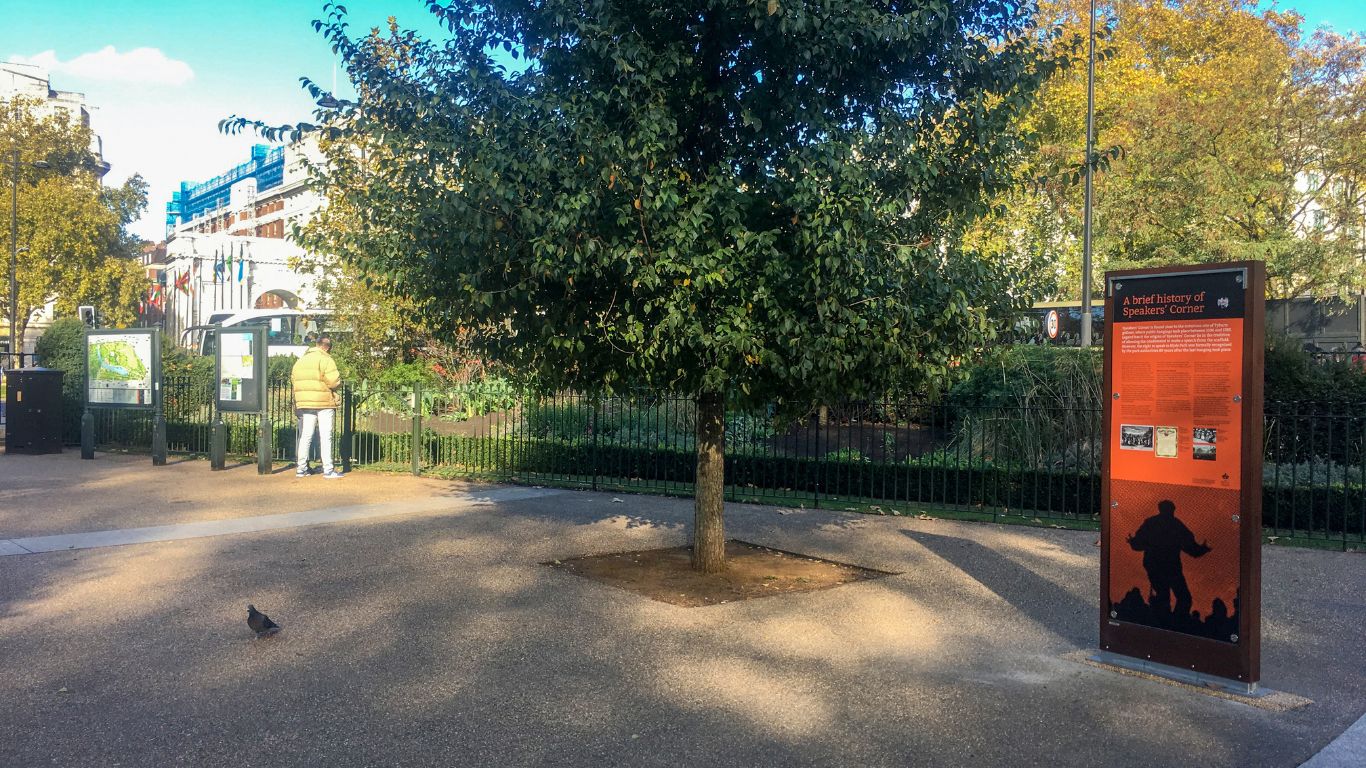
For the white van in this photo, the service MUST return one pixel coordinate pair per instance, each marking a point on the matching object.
(288, 331)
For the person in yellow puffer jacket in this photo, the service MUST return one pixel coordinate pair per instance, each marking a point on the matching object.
(316, 381)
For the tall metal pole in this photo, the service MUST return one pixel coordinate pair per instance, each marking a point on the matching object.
(14, 262)
(1086, 212)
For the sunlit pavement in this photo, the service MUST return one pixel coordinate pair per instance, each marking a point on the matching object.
(425, 632)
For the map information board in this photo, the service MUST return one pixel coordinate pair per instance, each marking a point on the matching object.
(122, 368)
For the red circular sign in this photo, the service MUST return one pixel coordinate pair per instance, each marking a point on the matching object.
(1050, 324)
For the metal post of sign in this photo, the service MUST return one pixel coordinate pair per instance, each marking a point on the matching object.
(87, 418)
(158, 439)
(87, 434)
(263, 444)
(218, 442)
(158, 417)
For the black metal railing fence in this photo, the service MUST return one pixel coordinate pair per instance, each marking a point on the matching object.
(1035, 462)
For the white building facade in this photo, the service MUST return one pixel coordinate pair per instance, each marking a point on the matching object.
(228, 244)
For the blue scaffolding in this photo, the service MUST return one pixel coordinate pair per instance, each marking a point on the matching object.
(266, 165)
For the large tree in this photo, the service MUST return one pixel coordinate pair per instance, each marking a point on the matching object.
(744, 202)
(1235, 130)
(74, 246)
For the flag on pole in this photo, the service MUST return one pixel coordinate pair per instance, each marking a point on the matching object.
(241, 263)
(217, 265)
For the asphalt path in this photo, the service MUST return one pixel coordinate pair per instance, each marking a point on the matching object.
(432, 635)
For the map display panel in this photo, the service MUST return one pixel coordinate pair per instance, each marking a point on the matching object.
(121, 368)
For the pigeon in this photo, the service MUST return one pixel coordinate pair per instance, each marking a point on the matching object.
(260, 623)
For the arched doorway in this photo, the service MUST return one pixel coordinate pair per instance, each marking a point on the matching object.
(277, 300)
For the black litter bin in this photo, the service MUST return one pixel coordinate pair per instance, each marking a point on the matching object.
(33, 410)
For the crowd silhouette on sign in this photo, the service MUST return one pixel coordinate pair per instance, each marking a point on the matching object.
(1163, 539)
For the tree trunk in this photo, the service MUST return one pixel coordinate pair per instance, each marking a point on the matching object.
(709, 529)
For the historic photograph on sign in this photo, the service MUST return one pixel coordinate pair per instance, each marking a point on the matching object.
(1135, 438)
(1166, 442)
(1203, 448)
(120, 368)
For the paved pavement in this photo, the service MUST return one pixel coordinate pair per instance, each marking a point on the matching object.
(427, 633)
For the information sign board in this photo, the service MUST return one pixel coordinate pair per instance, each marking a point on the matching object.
(240, 368)
(123, 368)
(1181, 515)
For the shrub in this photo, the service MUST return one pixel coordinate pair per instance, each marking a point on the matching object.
(485, 394)
(280, 368)
(1292, 375)
(62, 346)
(1033, 403)
(1027, 375)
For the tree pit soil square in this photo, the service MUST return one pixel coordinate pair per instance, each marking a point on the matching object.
(751, 571)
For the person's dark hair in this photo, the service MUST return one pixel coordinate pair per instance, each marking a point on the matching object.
(325, 343)
(1166, 507)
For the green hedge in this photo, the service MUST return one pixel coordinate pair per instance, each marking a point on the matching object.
(1325, 508)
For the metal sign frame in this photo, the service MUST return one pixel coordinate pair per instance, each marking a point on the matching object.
(256, 402)
(154, 340)
(1234, 657)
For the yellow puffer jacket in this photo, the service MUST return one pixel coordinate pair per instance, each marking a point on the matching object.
(315, 380)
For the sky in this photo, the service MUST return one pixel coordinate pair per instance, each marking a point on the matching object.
(159, 75)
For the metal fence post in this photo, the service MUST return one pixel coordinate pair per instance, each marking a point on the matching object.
(594, 428)
(346, 428)
(417, 429)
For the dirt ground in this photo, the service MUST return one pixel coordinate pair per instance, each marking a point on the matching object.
(752, 571)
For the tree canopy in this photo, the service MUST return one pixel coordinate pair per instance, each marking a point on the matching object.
(752, 202)
(1241, 139)
(71, 229)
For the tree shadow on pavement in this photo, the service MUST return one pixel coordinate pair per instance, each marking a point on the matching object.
(1037, 597)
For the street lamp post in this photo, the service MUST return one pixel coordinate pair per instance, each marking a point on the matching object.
(14, 254)
(1086, 212)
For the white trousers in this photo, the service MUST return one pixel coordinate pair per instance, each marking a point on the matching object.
(322, 419)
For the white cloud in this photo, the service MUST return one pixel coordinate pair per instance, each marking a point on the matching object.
(148, 66)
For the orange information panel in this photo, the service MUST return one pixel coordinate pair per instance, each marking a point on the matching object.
(1180, 566)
